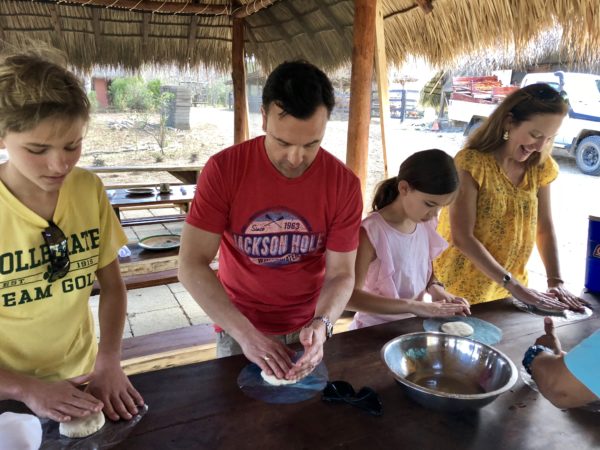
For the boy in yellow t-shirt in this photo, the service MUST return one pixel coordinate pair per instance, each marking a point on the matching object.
(58, 234)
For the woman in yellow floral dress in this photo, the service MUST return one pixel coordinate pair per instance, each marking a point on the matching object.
(503, 205)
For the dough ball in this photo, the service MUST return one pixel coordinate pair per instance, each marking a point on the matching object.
(273, 380)
(457, 328)
(83, 427)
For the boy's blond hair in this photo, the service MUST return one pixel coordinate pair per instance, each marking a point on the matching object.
(35, 87)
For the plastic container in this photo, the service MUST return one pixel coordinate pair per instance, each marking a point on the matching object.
(592, 266)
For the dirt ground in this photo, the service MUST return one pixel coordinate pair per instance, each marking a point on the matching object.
(574, 195)
(115, 139)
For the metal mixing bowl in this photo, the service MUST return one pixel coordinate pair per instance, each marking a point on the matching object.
(448, 373)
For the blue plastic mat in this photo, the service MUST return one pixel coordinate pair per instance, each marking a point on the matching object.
(252, 384)
(483, 331)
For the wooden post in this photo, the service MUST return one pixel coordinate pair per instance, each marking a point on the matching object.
(381, 70)
(238, 76)
(363, 51)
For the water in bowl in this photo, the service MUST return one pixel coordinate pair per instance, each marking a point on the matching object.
(448, 383)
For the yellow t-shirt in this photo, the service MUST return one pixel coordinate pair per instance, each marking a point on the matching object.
(505, 224)
(46, 329)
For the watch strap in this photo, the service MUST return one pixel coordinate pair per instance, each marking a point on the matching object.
(326, 321)
(531, 353)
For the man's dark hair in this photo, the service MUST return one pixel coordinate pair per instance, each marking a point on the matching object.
(298, 88)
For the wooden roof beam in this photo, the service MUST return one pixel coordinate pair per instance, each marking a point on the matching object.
(251, 8)
(426, 5)
(154, 6)
(192, 36)
(299, 16)
(96, 29)
(145, 31)
(326, 10)
(55, 17)
(280, 29)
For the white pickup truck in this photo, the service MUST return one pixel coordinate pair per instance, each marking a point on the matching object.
(580, 131)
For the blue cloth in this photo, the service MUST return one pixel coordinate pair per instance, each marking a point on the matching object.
(584, 362)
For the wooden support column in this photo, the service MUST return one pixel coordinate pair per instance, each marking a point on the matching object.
(381, 70)
(363, 51)
(238, 76)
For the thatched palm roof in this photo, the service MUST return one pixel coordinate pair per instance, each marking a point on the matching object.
(130, 33)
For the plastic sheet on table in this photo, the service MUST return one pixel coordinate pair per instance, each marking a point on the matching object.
(483, 331)
(111, 434)
(558, 316)
(252, 384)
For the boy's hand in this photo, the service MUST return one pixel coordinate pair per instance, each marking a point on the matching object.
(110, 384)
(60, 401)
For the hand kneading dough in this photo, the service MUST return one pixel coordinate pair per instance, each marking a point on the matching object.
(273, 380)
(78, 428)
(457, 328)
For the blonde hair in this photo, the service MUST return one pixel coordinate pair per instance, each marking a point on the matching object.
(35, 86)
(521, 106)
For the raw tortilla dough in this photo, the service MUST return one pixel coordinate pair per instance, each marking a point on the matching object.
(273, 380)
(457, 328)
(78, 428)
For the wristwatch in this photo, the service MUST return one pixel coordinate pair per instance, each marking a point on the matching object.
(530, 355)
(327, 322)
(506, 279)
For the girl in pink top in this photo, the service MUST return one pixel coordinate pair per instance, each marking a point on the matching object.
(398, 243)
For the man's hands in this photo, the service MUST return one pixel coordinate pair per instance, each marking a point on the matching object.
(275, 357)
(61, 400)
(270, 355)
(110, 384)
(312, 337)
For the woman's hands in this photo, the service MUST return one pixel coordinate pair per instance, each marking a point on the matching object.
(547, 301)
(557, 298)
(564, 296)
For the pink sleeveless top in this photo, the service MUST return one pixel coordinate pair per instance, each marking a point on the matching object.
(402, 267)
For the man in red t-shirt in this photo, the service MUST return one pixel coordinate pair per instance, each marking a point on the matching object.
(284, 215)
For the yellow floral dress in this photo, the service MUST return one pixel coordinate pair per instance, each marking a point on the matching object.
(505, 224)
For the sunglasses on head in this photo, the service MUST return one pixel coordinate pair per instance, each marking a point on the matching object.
(343, 392)
(545, 92)
(56, 241)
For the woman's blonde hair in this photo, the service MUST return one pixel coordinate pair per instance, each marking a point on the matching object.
(521, 106)
(34, 86)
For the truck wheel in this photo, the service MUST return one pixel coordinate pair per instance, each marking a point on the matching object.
(587, 155)
(472, 126)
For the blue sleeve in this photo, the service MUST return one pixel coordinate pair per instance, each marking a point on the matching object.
(583, 362)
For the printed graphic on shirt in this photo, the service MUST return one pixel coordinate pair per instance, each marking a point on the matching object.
(24, 273)
(278, 237)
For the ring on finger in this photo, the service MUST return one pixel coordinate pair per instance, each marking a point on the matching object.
(266, 358)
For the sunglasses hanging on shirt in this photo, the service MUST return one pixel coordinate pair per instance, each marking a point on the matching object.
(58, 251)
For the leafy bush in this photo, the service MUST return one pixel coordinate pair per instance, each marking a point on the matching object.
(131, 94)
(93, 101)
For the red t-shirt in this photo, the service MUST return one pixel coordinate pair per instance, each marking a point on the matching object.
(275, 230)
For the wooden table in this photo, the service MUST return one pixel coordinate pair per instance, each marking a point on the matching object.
(199, 406)
(180, 196)
(186, 174)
